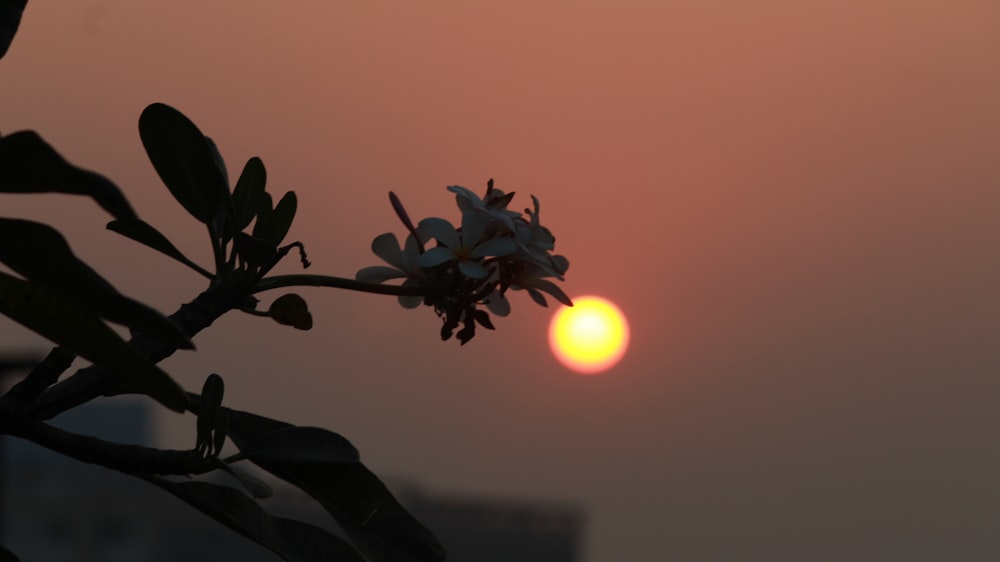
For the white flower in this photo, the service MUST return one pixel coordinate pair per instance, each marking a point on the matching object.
(404, 262)
(493, 207)
(466, 247)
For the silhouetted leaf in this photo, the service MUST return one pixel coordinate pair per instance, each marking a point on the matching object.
(144, 233)
(274, 226)
(208, 415)
(299, 445)
(223, 226)
(67, 323)
(292, 540)
(10, 18)
(254, 251)
(257, 487)
(248, 192)
(244, 426)
(184, 160)
(29, 165)
(42, 256)
(375, 521)
(291, 310)
(265, 206)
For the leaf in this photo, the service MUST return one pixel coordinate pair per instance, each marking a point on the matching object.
(274, 226)
(257, 487)
(381, 528)
(144, 233)
(208, 416)
(373, 519)
(248, 192)
(291, 310)
(292, 540)
(184, 160)
(10, 18)
(254, 251)
(297, 444)
(42, 255)
(265, 206)
(29, 165)
(69, 324)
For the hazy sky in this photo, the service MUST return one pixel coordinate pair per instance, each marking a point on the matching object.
(795, 202)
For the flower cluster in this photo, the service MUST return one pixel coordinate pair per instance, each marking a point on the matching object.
(494, 249)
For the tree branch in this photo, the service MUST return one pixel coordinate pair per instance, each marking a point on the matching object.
(130, 459)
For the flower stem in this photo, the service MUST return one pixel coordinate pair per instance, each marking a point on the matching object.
(278, 281)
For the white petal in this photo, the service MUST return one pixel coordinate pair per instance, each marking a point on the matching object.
(498, 304)
(410, 254)
(474, 224)
(386, 246)
(495, 247)
(441, 230)
(436, 256)
(410, 301)
(472, 270)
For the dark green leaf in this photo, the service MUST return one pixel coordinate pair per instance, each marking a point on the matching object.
(291, 310)
(275, 225)
(29, 165)
(144, 233)
(292, 540)
(248, 192)
(67, 323)
(379, 526)
(42, 256)
(10, 18)
(184, 159)
(299, 445)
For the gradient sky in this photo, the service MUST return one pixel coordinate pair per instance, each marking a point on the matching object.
(795, 203)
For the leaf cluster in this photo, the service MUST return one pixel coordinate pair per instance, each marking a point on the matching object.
(54, 293)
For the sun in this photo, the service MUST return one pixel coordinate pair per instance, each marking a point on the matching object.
(589, 337)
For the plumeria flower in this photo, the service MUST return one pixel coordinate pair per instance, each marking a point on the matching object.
(473, 266)
(404, 262)
(493, 206)
(535, 242)
(466, 247)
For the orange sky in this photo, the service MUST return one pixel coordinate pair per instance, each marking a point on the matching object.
(795, 203)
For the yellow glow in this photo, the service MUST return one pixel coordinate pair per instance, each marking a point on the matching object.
(589, 337)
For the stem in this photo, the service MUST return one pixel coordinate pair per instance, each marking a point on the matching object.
(218, 251)
(130, 459)
(93, 381)
(278, 281)
(42, 376)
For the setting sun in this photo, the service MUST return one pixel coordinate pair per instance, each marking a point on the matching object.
(589, 337)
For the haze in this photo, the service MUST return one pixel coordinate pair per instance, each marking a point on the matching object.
(795, 203)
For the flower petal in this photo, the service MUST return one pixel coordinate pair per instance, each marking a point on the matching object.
(474, 224)
(495, 247)
(410, 301)
(498, 304)
(378, 274)
(552, 289)
(411, 253)
(436, 256)
(386, 246)
(441, 230)
(472, 270)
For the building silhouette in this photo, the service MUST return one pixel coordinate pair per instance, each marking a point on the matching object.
(58, 509)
